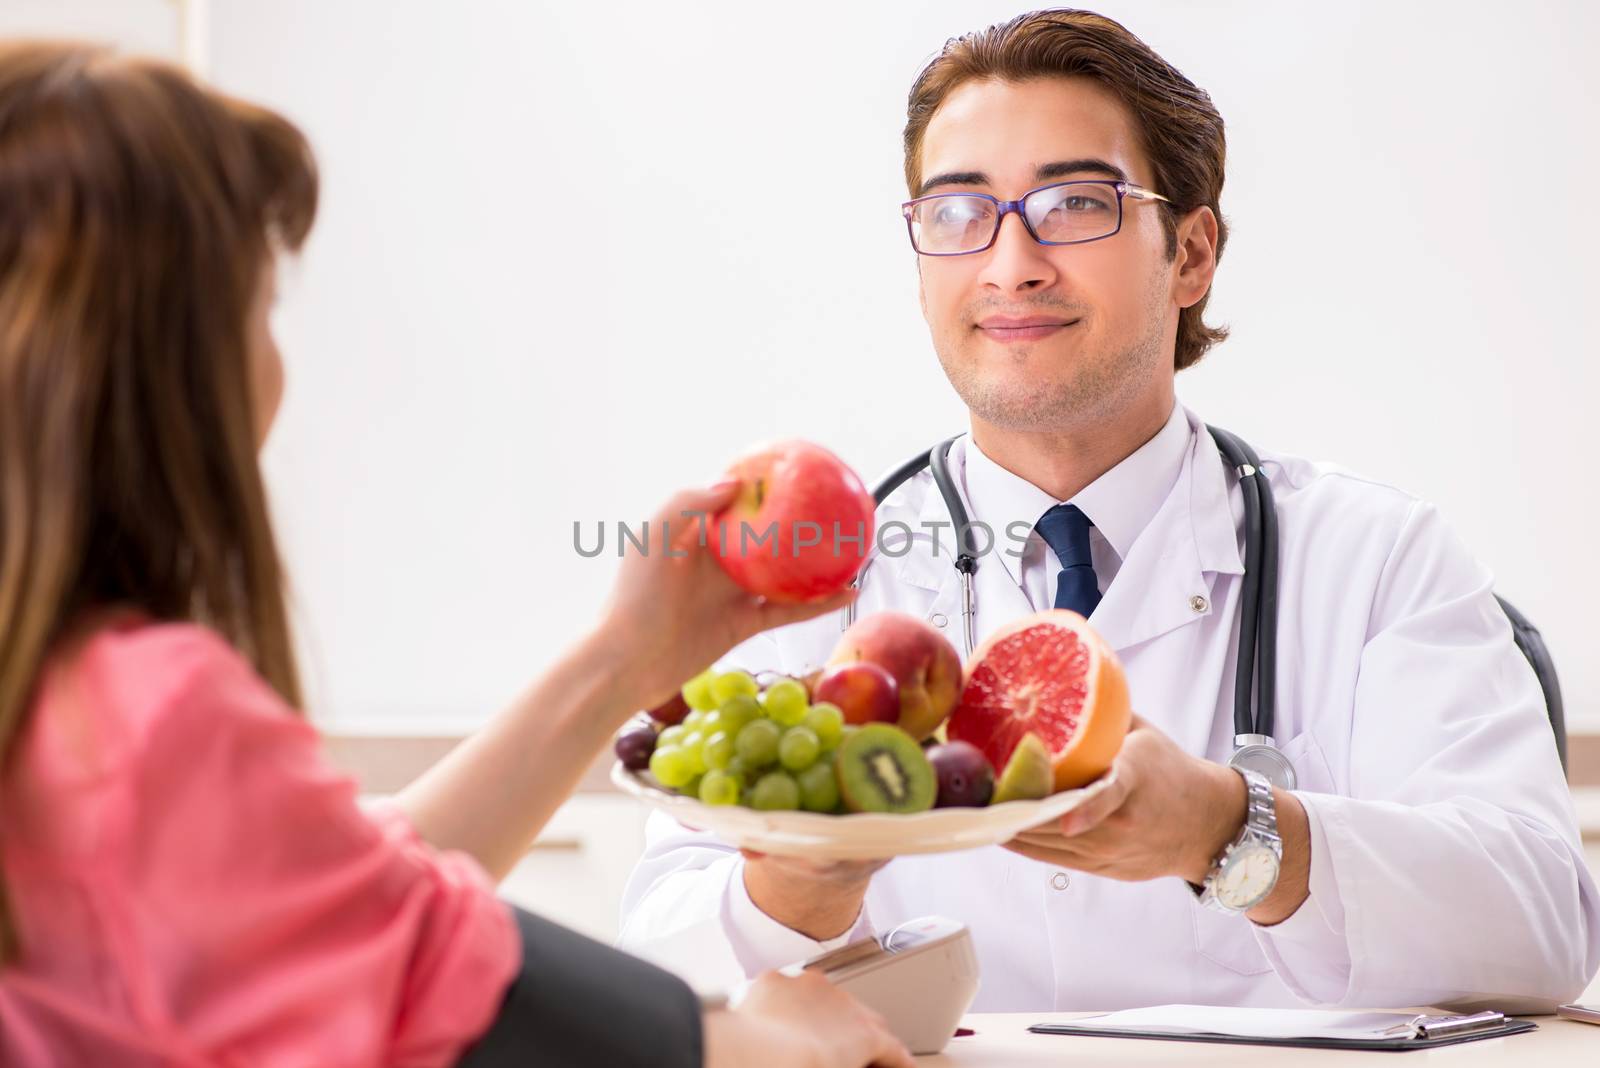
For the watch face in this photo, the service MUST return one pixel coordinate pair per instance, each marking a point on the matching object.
(1248, 877)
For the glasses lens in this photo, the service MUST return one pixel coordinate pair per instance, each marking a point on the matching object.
(952, 224)
(1076, 211)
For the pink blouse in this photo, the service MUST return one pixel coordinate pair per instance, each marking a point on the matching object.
(192, 884)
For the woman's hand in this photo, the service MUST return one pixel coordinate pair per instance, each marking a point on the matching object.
(668, 617)
(801, 1022)
(673, 610)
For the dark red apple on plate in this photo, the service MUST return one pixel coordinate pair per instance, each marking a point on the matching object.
(801, 526)
(864, 692)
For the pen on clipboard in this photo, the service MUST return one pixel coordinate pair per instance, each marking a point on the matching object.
(1446, 1026)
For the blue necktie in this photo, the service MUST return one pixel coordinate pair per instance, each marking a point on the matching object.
(1066, 530)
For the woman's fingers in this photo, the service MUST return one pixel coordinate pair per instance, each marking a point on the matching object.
(686, 518)
(872, 1043)
(892, 1053)
(773, 614)
(707, 499)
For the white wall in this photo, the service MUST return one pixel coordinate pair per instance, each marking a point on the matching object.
(151, 27)
(479, 356)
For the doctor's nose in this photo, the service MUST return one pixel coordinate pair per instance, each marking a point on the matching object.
(1016, 263)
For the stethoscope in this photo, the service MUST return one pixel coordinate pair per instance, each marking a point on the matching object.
(1255, 672)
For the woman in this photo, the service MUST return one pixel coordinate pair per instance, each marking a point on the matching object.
(182, 880)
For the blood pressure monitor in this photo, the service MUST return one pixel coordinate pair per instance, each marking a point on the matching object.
(920, 977)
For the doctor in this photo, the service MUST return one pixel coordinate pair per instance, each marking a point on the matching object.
(1429, 852)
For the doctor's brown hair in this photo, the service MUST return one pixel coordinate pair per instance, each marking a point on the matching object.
(138, 211)
(1180, 129)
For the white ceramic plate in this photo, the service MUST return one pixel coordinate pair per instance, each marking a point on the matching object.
(859, 836)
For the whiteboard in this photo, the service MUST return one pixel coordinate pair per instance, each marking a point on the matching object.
(471, 373)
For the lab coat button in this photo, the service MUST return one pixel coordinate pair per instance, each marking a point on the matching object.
(1060, 880)
(938, 619)
(1198, 603)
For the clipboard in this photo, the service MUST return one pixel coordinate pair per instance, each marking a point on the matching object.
(1428, 1032)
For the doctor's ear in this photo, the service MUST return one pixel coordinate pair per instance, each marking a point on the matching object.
(1196, 261)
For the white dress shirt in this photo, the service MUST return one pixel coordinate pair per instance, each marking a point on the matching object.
(1445, 860)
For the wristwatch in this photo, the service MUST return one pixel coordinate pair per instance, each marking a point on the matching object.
(1245, 873)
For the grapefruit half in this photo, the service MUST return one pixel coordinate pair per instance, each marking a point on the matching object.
(1051, 674)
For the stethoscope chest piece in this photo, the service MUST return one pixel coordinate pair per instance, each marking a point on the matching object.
(1255, 752)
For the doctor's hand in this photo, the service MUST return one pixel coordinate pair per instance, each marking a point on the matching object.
(819, 898)
(1158, 811)
(673, 610)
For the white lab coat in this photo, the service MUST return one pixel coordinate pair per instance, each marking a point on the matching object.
(1446, 864)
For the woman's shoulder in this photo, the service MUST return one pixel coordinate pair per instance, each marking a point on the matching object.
(108, 694)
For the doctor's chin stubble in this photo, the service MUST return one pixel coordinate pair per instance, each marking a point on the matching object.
(1098, 378)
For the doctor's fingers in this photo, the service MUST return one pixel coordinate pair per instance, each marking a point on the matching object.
(840, 871)
(1085, 851)
(1057, 856)
(1101, 800)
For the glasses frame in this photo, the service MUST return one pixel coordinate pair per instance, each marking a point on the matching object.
(1123, 189)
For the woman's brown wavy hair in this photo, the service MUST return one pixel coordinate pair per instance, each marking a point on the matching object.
(1180, 127)
(138, 212)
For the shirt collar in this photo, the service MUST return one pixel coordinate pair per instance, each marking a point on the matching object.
(1120, 503)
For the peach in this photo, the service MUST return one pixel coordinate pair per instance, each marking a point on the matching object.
(924, 665)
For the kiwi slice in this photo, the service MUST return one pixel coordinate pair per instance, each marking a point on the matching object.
(1028, 775)
(881, 768)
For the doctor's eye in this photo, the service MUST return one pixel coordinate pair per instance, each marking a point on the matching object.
(1073, 212)
(954, 212)
(1077, 205)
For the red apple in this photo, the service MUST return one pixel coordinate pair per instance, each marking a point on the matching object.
(924, 665)
(801, 526)
(864, 692)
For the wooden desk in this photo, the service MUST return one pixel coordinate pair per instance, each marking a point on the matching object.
(1002, 1041)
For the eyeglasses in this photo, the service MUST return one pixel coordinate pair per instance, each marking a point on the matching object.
(1066, 213)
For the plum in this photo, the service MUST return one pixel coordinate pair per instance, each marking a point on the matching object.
(966, 778)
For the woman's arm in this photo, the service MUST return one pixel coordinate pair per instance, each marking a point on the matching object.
(672, 611)
(492, 793)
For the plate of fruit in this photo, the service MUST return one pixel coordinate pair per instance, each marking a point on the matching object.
(891, 748)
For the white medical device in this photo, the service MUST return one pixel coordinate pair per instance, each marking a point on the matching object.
(921, 978)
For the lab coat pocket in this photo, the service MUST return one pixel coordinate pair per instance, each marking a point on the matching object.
(1229, 941)
(1311, 771)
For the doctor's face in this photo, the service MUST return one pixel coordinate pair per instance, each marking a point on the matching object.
(1049, 338)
